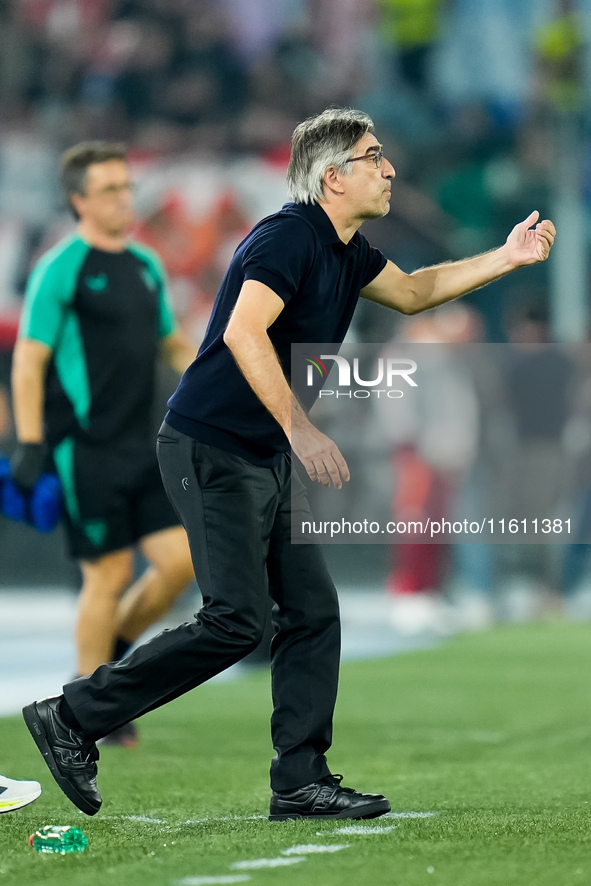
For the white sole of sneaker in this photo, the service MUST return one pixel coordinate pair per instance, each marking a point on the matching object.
(19, 802)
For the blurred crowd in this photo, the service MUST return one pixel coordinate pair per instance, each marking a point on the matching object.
(470, 98)
(465, 96)
(497, 436)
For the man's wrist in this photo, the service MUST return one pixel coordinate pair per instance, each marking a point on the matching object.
(504, 261)
(31, 444)
(299, 420)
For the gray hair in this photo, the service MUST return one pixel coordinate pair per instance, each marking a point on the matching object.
(319, 142)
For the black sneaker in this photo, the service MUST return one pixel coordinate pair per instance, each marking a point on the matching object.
(123, 737)
(71, 757)
(326, 799)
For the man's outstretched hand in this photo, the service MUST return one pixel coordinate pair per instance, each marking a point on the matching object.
(526, 245)
(319, 455)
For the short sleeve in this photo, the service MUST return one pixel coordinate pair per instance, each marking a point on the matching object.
(50, 291)
(374, 264)
(280, 255)
(166, 319)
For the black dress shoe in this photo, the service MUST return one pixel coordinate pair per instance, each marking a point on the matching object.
(71, 756)
(326, 799)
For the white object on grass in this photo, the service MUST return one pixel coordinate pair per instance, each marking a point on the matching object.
(256, 863)
(311, 848)
(16, 794)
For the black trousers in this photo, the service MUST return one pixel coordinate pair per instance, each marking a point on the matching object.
(238, 520)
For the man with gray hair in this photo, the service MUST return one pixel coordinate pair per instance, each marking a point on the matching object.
(224, 452)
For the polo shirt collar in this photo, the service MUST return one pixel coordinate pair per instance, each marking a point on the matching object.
(324, 227)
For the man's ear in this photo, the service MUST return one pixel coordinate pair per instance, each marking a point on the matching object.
(333, 180)
(76, 201)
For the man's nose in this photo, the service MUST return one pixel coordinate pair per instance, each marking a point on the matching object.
(388, 170)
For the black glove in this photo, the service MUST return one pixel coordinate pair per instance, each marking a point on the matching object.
(26, 464)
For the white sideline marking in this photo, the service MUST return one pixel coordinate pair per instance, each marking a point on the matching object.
(208, 819)
(257, 863)
(145, 818)
(359, 829)
(210, 881)
(310, 848)
(409, 814)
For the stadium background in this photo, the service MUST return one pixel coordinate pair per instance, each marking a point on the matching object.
(483, 110)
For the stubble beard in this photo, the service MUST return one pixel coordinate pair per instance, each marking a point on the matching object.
(370, 214)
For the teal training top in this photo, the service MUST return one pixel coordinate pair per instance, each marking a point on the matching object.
(103, 314)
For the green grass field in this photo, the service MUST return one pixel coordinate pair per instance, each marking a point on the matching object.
(491, 732)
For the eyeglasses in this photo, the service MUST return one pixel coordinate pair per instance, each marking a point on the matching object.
(376, 156)
(115, 190)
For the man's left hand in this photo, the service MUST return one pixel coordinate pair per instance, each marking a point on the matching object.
(526, 245)
(26, 465)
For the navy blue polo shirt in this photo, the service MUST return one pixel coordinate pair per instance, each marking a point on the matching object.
(298, 254)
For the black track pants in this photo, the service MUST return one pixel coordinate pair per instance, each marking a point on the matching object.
(238, 520)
